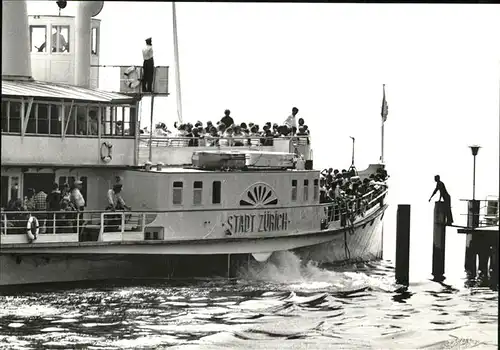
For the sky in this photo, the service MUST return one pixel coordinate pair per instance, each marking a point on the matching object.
(440, 64)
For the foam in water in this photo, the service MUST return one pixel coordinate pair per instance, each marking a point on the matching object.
(287, 268)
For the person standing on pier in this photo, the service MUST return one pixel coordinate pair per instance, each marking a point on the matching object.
(443, 194)
(148, 67)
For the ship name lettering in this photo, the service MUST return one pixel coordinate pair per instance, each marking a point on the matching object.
(268, 221)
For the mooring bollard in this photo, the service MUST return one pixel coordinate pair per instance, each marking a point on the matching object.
(470, 240)
(403, 244)
(439, 241)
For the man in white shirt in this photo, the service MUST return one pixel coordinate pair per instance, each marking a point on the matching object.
(76, 196)
(291, 121)
(148, 67)
(78, 201)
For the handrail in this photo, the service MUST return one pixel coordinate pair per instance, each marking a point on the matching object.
(126, 222)
(183, 210)
(209, 137)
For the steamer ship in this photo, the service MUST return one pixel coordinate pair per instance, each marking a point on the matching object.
(197, 211)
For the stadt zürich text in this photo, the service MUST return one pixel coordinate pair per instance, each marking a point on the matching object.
(263, 222)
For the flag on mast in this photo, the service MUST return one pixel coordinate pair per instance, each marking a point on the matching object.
(385, 107)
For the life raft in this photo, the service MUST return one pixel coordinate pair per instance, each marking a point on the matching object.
(32, 228)
(106, 149)
(132, 77)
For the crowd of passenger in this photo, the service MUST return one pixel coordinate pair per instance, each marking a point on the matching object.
(226, 132)
(60, 211)
(344, 186)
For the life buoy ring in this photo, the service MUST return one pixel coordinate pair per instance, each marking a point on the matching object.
(132, 77)
(32, 228)
(106, 152)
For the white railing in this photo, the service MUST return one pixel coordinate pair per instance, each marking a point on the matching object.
(213, 141)
(93, 225)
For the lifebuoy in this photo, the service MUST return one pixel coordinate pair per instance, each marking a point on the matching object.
(32, 228)
(132, 75)
(106, 152)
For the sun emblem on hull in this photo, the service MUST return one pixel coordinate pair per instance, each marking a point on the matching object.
(259, 194)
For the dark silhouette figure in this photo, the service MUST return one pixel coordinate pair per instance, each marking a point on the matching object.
(227, 119)
(445, 196)
(148, 67)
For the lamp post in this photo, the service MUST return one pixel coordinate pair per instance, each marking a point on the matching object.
(475, 150)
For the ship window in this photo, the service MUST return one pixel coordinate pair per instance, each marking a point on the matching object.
(5, 115)
(216, 192)
(118, 122)
(43, 126)
(316, 190)
(177, 193)
(81, 120)
(38, 38)
(130, 118)
(197, 192)
(69, 119)
(92, 121)
(94, 42)
(55, 116)
(306, 190)
(15, 116)
(60, 39)
(294, 190)
(31, 127)
(5, 192)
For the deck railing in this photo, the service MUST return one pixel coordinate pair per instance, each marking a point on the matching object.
(94, 223)
(488, 213)
(214, 141)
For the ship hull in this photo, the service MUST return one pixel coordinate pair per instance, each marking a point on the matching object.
(363, 242)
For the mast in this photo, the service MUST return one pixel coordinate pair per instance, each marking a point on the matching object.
(177, 68)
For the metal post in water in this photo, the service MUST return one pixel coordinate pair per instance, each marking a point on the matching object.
(403, 244)
(471, 241)
(439, 241)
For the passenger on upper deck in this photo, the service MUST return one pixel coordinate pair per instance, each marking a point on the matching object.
(291, 121)
(227, 119)
(148, 66)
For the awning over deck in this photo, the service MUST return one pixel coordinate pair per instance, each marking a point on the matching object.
(57, 91)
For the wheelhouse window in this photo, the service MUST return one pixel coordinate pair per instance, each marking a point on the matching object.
(94, 42)
(177, 193)
(306, 190)
(316, 190)
(294, 190)
(38, 38)
(197, 192)
(60, 39)
(216, 192)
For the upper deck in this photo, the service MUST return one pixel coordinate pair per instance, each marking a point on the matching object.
(53, 41)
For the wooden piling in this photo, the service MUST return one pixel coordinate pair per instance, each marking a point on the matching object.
(403, 244)
(439, 241)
